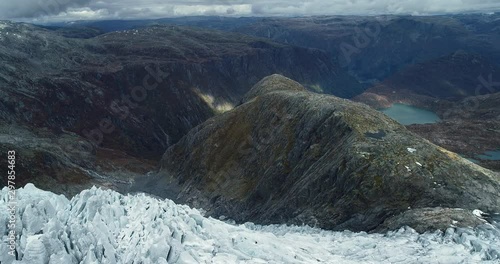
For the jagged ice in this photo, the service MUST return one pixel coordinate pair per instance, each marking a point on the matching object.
(103, 226)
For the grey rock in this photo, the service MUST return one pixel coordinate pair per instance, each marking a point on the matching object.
(424, 219)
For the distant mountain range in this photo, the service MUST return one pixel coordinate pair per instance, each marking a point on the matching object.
(372, 47)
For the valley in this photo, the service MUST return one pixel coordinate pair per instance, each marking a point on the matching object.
(436, 63)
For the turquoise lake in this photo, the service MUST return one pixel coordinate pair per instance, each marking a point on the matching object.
(407, 114)
(490, 155)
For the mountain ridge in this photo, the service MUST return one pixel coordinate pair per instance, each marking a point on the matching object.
(292, 156)
(81, 78)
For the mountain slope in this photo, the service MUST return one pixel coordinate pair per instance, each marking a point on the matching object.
(371, 47)
(462, 89)
(63, 163)
(291, 156)
(453, 77)
(471, 127)
(141, 90)
(375, 47)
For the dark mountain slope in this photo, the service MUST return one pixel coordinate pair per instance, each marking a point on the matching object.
(452, 78)
(371, 47)
(375, 47)
(142, 90)
(62, 163)
(291, 156)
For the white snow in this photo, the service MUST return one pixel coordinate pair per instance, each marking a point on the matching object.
(102, 226)
(411, 150)
(480, 214)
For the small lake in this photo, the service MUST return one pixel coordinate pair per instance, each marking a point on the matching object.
(408, 115)
(490, 155)
(469, 159)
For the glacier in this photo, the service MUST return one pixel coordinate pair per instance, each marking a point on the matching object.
(103, 226)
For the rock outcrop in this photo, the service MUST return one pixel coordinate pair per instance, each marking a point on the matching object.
(287, 155)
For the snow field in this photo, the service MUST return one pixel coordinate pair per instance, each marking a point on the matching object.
(102, 226)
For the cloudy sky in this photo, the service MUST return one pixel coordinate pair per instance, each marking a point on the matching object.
(67, 10)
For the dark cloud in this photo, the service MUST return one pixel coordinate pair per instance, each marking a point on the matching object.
(230, 11)
(257, 9)
(36, 8)
(51, 10)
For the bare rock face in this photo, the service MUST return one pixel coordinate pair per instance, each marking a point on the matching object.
(287, 155)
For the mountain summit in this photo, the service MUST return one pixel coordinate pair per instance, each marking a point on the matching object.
(287, 155)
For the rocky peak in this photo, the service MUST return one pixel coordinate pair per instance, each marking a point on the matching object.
(275, 82)
(297, 157)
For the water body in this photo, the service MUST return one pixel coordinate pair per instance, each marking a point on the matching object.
(490, 155)
(408, 115)
(469, 159)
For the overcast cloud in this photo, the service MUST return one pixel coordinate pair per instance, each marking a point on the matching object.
(66, 10)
